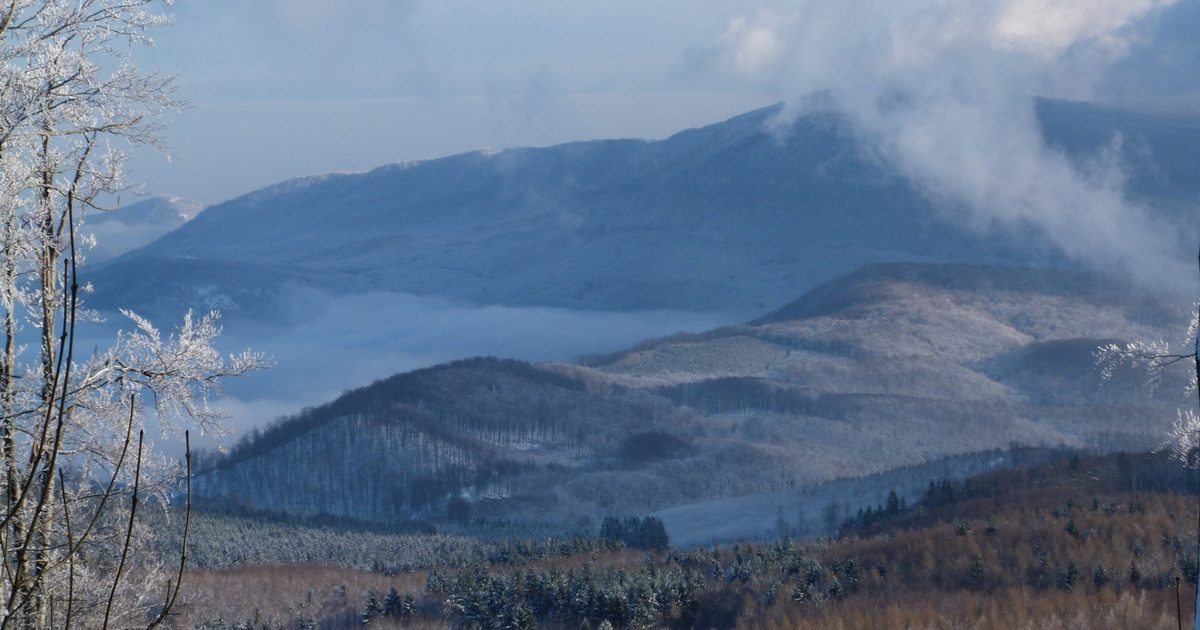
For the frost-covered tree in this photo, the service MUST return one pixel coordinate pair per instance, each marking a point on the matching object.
(371, 608)
(1156, 357)
(72, 461)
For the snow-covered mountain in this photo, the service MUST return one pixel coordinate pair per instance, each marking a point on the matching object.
(137, 224)
(891, 366)
(727, 217)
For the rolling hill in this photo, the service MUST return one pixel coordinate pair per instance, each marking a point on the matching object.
(892, 366)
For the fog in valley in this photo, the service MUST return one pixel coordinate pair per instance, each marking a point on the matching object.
(345, 342)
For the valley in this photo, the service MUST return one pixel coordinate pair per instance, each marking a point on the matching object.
(891, 367)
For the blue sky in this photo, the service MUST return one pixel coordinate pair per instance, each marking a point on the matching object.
(284, 88)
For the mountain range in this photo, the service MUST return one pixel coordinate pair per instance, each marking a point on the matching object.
(734, 217)
(917, 347)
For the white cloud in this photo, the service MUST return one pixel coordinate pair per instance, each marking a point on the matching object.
(751, 47)
(1049, 27)
(943, 92)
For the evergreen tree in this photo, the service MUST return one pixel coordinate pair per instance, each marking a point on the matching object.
(522, 617)
(802, 593)
(976, 573)
(645, 610)
(652, 534)
(611, 529)
(893, 503)
(391, 603)
(836, 590)
(371, 608)
(1067, 577)
(1100, 576)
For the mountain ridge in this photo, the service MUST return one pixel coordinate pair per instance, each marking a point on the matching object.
(137, 224)
(724, 217)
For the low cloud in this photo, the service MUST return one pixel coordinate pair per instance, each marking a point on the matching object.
(344, 342)
(943, 92)
(348, 342)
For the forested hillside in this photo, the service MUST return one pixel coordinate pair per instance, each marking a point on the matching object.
(898, 365)
(1078, 542)
(479, 428)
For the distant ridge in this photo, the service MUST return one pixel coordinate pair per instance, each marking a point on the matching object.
(136, 224)
(726, 217)
(866, 285)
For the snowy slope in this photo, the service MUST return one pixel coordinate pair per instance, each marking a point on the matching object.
(728, 217)
(135, 225)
